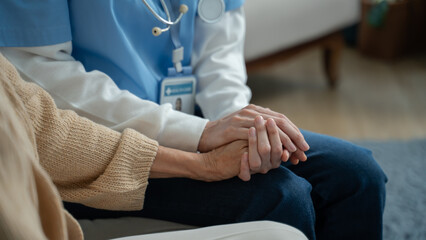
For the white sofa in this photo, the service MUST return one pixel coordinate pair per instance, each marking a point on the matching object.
(280, 29)
(272, 26)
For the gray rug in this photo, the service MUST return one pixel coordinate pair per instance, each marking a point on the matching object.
(404, 162)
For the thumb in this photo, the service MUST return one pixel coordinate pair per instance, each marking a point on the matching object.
(245, 168)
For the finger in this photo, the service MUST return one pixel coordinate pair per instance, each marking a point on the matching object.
(263, 145)
(298, 156)
(293, 133)
(285, 124)
(286, 141)
(252, 111)
(245, 168)
(254, 158)
(275, 142)
(285, 156)
(268, 113)
(239, 133)
(294, 160)
(271, 114)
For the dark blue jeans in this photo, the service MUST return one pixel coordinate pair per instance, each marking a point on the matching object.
(339, 193)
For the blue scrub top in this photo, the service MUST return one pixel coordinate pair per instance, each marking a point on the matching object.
(112, 36)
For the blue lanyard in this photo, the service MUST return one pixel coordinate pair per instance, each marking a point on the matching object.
(178, 52)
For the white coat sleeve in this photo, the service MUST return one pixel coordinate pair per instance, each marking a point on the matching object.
(218, 63)
(94, 95)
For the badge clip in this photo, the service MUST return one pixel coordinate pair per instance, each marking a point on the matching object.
(178, 89)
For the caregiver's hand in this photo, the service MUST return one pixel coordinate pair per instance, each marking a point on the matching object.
(236, 126)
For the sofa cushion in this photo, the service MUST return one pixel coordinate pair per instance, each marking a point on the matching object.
(126, 226)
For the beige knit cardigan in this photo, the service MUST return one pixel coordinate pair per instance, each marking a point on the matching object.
(48, 155)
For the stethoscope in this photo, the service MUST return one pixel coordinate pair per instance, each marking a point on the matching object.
(210, 11)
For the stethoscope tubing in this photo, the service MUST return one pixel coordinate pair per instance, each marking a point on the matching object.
(167, 22)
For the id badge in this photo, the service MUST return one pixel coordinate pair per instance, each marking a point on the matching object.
(179, 91)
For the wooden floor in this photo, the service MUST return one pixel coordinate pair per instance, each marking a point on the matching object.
(374, 99)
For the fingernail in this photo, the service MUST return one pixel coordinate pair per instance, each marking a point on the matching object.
(292, 148)
(271, 122)
(305, 146)
(252, 132)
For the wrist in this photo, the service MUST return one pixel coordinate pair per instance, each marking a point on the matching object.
(173, 163)
(202, 144)
(207, 169)
(200, 166)
(196, 166)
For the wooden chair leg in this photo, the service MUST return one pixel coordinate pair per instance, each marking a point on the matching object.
(331, 44)
(331, 57)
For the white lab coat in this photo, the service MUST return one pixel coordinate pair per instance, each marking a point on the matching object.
(217, 60)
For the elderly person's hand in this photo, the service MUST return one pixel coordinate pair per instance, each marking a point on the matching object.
(225, 162)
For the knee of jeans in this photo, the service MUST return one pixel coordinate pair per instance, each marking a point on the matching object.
(285, 197)
(297, 193)
(363, 172)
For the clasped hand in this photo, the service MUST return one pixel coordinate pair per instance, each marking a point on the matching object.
(268, 138)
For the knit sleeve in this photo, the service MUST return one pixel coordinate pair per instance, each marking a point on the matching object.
(89, 163)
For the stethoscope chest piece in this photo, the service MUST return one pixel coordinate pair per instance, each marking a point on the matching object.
(211, 11)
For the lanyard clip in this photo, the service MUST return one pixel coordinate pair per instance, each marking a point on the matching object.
(177, 59)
